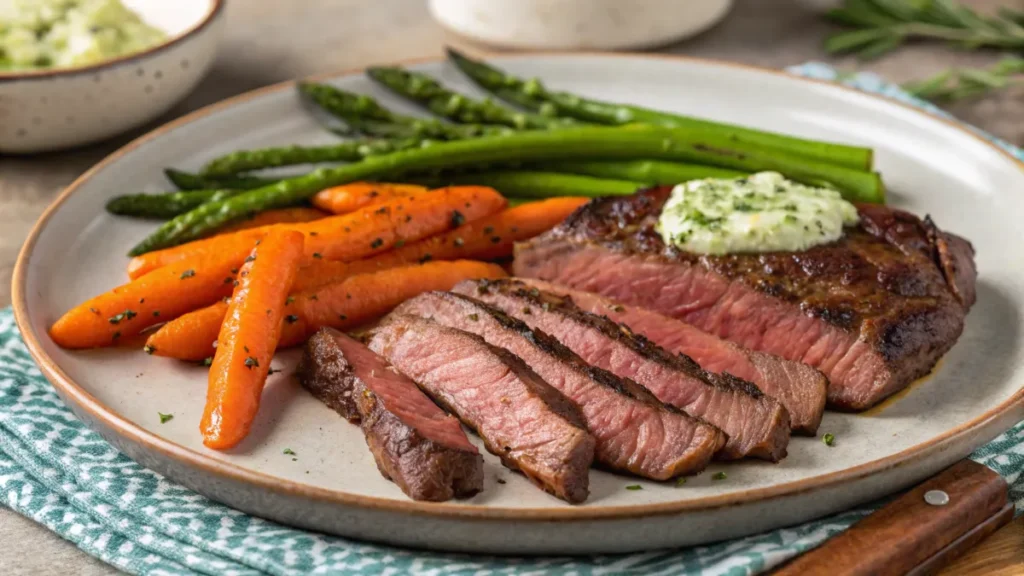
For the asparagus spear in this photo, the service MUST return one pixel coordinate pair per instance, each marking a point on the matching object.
(531, 184)
(532, 95)
(246, 160)
(430, 93)
(644, 171)
(188, 181)
(366, 115)
(570, 143)
(163, 206)
(426, 130)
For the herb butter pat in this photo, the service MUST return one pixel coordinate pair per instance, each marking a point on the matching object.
(763, 212)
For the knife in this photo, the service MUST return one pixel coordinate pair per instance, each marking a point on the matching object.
(918, 533)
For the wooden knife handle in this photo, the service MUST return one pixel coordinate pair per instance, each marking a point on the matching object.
(909, 532)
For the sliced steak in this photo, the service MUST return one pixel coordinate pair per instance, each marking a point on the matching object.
(531, 426)
(757, 425)
(416, 445)
(635, 432)
(800, 388)
(873, 311)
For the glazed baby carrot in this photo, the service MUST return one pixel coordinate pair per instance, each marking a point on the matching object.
(367, 231)
(190, 336)
(322, 272)
(248, 338)
(246, 239)
(156, 297)
(397, 223)
(351, 197)
(281, 216)
(359, 299)
(486, 238)
(343, 304)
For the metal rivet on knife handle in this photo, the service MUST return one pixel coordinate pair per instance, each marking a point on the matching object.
(936, 497)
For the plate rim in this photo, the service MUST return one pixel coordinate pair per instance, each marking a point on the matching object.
(72, 392)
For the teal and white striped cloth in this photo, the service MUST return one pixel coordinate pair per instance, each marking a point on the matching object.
(59, 473)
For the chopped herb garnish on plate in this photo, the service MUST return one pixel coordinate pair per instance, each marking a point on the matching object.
(164, 418)
(829, 439)
(634, 487)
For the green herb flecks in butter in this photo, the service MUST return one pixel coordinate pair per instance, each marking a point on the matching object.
(763, 212)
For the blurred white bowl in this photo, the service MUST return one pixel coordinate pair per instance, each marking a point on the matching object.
(578, 24)
(52, 109)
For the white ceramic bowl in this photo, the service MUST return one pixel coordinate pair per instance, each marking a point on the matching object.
(48, 110)
(578, 24)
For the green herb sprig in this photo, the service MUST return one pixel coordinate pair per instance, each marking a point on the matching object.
(884, 25)
(958, 84)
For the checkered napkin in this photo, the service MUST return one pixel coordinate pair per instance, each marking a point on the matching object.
(61, 474)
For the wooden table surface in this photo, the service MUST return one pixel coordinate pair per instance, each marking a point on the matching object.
(268, 41)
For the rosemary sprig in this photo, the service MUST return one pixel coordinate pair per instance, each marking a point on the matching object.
(883, 25)
(962, 83)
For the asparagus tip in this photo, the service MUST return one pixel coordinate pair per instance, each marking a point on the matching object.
(454, 54)
(378, 71)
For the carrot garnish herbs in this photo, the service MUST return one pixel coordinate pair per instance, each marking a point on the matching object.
(248, 338)
(363, 233)
(382, 227)
(295, 215)
(355, 195)
(190, 336)
(343, 304)
(154, 298)
(485, 238)
(364, 297)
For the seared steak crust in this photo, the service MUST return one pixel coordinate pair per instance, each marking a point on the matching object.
(756, 425)
(415, 444)
(635, 432)
(531, 426)
(800, 388)
(873, 311)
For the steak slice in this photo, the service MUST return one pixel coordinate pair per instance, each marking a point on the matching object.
(416, 445)
(635, 432)
(873, 311)
(757, 426)
(521, 418)
(800, 388)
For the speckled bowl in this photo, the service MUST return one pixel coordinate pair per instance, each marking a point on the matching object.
(49, 110)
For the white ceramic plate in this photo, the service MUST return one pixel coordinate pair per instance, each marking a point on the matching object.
(969, 186)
